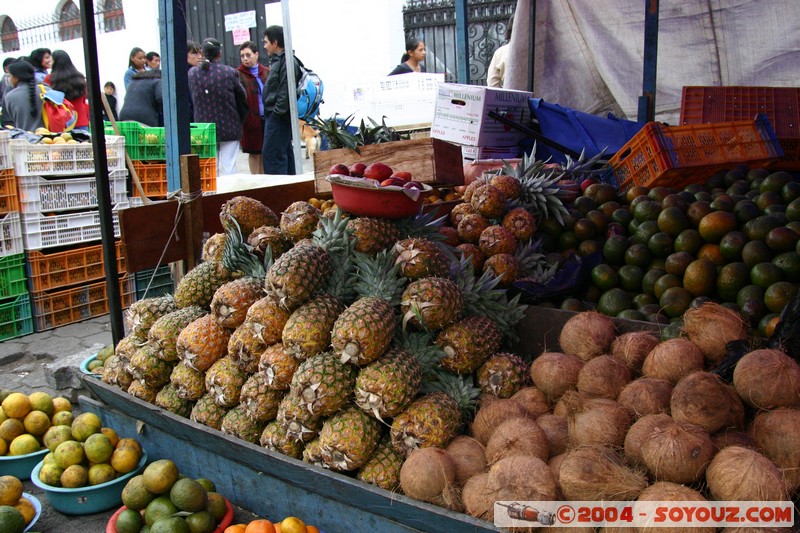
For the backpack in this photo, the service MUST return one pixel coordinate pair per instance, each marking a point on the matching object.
(58, 114)
(309, 93)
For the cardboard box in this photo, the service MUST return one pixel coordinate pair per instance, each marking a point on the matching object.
(473, 153)
(428, 160)
(462, 115)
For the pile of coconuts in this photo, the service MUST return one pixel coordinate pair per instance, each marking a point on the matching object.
(627, 417)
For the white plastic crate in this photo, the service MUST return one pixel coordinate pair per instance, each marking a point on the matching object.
(5, 151)
(10, 235)
(64, 159)
(40, 232)
(38, 194)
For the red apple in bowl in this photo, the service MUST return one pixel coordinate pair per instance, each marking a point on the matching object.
(402, 174)
(357, 169)
(339, 168)
(378, 171)
(393, 182)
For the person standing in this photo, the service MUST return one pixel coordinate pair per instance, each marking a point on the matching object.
(496, 73)
(5, 84)
(144, 99)
(110, 90)
(22, 107)
(253, 76)
(69, 80)
(42, 60)
(215, 88)
(152, 61)
(277, 147)
(194, 55)
(136, 61)
(410, 62)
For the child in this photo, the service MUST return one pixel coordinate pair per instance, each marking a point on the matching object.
(110, 89)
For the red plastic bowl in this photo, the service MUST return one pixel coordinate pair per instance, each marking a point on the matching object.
(383, 202)
(111, 526)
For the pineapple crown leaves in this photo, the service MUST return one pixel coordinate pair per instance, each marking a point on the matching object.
(529, 257)
(334, 236)
(379, 276)
(421, 346)
(583, 167)
(423, 225)
(238, 256)
(335, 130)
(461, 388)
(377, 133)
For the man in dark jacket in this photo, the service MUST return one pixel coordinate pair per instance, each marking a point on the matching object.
(277, 151)
(144, 99)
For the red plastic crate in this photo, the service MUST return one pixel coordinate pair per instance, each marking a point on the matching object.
(58, 308)
(9, 201)
(675, 156)
(48, 271)
(153, 177)
(701, 105)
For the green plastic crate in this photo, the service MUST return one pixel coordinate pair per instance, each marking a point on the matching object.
(204, 139)
(16, 319)
(161, 285)
(144, 143)
(12, 276)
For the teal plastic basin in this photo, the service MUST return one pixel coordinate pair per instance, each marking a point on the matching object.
(85, 366)
(20, 466)
(89, 499)
(37, 506)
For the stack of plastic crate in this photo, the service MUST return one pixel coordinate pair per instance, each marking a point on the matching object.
(57, 194)
(147, 149)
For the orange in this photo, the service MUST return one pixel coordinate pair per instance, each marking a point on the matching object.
(292, 524)
(260, 526)
(312, 529)
(236, 528)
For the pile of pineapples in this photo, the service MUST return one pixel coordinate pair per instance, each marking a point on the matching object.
(347, 342)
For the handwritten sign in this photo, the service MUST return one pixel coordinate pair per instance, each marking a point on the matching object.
(245, 19)
(240, 35)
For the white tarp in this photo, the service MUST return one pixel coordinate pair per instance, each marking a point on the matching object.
(589, 54)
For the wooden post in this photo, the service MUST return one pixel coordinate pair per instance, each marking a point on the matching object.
(192, 209)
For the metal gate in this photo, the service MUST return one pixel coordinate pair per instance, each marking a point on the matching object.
(434, 21)
(206, 18)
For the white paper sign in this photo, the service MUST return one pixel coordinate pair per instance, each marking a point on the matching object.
(245, 19)
(240, 35)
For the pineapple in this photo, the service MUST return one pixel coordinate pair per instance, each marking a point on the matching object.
(508, 185)
(488, 201)
(472, 187)
(248, 213)
(313, 455)
(419, 258)
(268, 319)
(385, 387)
(278, 367)
(382, 468)
(503, 374)
(431, 303)
(297, 274)
(299, 221)
(142, 314)
(202, 343)
(245, 347)
(115, 373)
(198, 286)
(300, 424)
(468, 343)
(324, 384)
(471, 226)
(128, 345)
(260, 402)
(373, 234)
(503, 266)
(348, 438)
(308, 330)
(543, 193)
(232, 300)
(213, 247)
(460, 211)
(520, 222)
(207, 412)
(497, 240)
(141, 390)
(146, 367)
(268, 236)
(164, 332)
(189, 384)
(473, 253)
(275, 438)
(239, 423)
(167, 398)
(224, 382)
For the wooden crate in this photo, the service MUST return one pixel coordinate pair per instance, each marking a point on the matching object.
(428, 160)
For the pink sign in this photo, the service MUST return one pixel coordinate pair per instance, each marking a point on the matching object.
(240, 35)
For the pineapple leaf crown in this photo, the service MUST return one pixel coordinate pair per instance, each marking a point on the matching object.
(333, 235)
(238, 256)
(461, 388)
(582, 168)
(421, 346)
(423, 225)
(529, 257)
(379, 276)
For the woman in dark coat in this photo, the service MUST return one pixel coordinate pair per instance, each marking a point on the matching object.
(253, 76)
(143, 99)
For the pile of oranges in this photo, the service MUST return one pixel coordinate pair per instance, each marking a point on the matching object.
(290, 524)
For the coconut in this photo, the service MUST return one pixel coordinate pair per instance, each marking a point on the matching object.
(555, 463)
(632, 348)
(677, 452)
(468, 456)
(732, 437)
(555, 373)
(664, 491)
(517, 436)
(646, 396)
(587, 335)
(521, 478)
(672, 359)
(494, 414)
(639, 433)
(603, 377)
(767, 379)
(485, 399)
(595, 420)
(556, 430)
(777, 434)
(428, 475)
(477, 501)
(737, 413)
(701, 398)
(533, 401)
(711, 326)
(738, 473)
(597, 473)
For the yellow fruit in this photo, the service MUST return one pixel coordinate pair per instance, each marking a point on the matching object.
(101, 473)
(69, 453)
(66, 136)
(36, 423)
(84, 425)
(17, 405)
(27, 509)
(55, 436)
(10, 490)
(58, 140)
(112, 436)
(11, 429)
(3, 416)
(46, 140)
(61, 404)
(129, 443)
(50, 474)
(3, 447)
(23, 445)
(292, 524)
(41, 401)
(49, 458)
(98, 448)
(62, 418)
(74, 476)
(159, 476)
(124, 460)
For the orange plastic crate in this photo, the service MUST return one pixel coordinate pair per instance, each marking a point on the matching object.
(58, 308)
(62, 269)
(153, 176)
(9, 201)
(675, 156)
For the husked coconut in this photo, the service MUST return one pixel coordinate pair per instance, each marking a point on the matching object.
(632, 348)
(677, 452)
(533, 401)
(777, 434)
(733, 437)
(711, 327)
(494, 414)
(701, 398)
(595, 420)
(555, 463)
(639, 433)
(646, 396)
(597, 473)
(517, 436)
(521, 478)
(665, 491)
(428, 475)
(587, 335)
(737, 473)
(477, 500)
(556, 428)
(767, 379)
(672, 359)
(603, 377)
(555, 373)
(468, 457)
